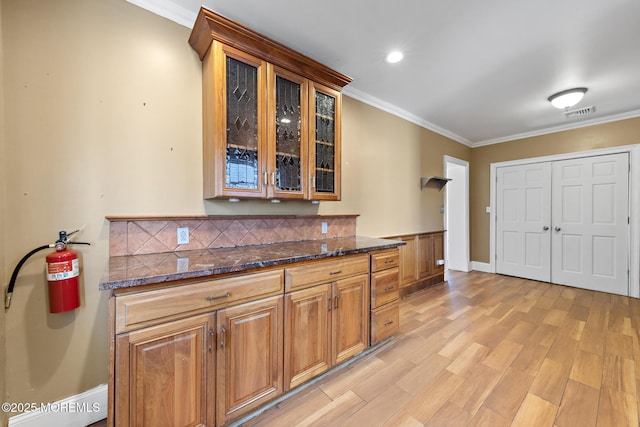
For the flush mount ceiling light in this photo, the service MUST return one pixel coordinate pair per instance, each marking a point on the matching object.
(567, 98)
(395, 56)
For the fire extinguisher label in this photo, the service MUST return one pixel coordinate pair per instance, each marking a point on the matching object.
(63, 270)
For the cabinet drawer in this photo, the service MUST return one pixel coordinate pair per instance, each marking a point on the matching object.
(145, 308)
(325, 271)
(385, 259)
(385, 321)
(385, 287)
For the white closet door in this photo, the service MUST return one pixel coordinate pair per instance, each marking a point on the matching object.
(523, 221)
(590, 209)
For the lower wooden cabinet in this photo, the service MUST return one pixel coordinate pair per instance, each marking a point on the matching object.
(350, 320)
(207, 353)
(421, 261)
(324, 325)
(171, 365)
(249, 357)
(307, 351)
(385, 321)
(385, 292)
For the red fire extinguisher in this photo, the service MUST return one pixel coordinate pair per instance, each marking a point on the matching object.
(63, 271)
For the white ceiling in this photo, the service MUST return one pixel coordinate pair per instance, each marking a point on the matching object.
(479, 72)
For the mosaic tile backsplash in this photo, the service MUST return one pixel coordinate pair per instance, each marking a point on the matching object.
(137, 236)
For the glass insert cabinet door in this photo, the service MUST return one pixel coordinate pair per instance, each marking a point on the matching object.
(288, 135)
(235, 145)
(324, 143)
(268, 132)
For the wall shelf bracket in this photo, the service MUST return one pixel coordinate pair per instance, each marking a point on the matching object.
(438, 181)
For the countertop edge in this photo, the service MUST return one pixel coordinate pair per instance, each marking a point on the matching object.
(106, 285)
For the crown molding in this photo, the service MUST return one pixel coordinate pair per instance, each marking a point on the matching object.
(187, 18)
(404, 114)
(561, 128)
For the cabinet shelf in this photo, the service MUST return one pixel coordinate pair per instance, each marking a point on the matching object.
(438, 181)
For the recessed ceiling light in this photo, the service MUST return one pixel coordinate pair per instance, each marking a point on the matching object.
(395, 56)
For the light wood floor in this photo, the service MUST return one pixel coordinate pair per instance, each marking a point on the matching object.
(488, 350)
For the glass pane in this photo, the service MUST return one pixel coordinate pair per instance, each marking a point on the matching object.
(325, 142)
(288, 135)
(242, 125)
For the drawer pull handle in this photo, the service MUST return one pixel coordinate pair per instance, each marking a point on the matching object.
(390, 322)
(389, 288)
(333, 273)
(389, 261)
(227, 295)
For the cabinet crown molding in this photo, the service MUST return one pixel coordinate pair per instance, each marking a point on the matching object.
(210, 26)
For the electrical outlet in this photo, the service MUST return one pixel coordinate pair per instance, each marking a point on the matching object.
(324, 227)
(183, 235)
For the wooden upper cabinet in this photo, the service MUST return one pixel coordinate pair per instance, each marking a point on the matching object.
(324, 142)
(271, 116)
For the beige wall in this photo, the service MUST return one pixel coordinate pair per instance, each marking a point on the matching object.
(625, 132)
(3, 398)
(383, 159)
(103, 117)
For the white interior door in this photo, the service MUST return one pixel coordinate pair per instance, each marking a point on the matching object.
(523, 221)
(457, 214)
(590, 211)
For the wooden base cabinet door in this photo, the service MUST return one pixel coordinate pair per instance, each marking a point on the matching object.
(165, 374)
(350, 316)
(307, 334)
(408, 261)
(250, 357)
(425, 256)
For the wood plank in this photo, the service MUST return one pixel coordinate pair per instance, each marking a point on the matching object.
(579, 406)
(550, 381)
(587, 369)
(507, 396)
(535, 412)
(617, 409)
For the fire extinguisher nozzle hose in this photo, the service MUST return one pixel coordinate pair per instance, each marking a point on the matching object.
(7, 298)
(14, 275)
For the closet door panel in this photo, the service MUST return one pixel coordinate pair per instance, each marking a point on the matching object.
(590, 200)
(523, 213)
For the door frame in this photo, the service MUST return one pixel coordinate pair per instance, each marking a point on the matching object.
(634, 204)
(465, 215)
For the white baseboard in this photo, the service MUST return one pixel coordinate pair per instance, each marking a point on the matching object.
(481, 266)
(75, 411)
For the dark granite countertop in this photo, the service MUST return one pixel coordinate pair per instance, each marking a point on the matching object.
(136, 270)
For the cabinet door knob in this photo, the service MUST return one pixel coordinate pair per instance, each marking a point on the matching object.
(557, 229)
(545, 228)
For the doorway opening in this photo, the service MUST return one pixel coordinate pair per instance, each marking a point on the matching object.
(456, 215)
